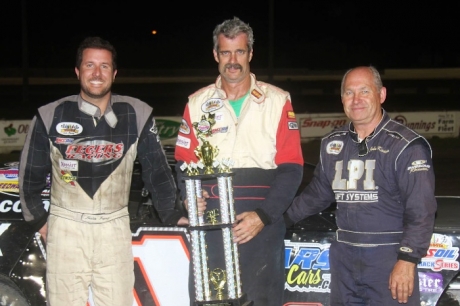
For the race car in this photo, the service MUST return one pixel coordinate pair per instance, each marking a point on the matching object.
(162, 253)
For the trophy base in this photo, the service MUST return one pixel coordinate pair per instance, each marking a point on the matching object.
(242, 301)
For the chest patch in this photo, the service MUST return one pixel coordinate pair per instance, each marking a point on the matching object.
(212, 105)
(69, 128)
(334, 147)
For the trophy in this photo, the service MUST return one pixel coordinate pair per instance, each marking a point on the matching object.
(214, 285)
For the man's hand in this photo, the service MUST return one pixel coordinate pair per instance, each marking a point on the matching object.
(182, 222)
(200, 203)
(401, 281)
(43, 231)
(246, 227)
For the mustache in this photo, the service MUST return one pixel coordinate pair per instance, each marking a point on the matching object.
(233, 66)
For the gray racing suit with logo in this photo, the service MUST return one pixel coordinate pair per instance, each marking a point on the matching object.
(91, 163)
(384, 190)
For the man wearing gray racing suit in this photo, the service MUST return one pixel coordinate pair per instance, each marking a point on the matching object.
(88, 142)
(380, 174)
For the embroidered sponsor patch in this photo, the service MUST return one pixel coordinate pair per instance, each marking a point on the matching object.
(184, 127)
(256, 93)
(69, 128)
(223, 129)
(378, 148)
(95, 151)
(405, 249)
(418, 165)
(60, 140)
(68, 165)
(334, 147)
(68, 178)
(212, 105)
(292, 125)
(183, 142)
(291, 114)
(218, 116)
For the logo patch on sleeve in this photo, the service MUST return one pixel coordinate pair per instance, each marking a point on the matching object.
(184, 128)
(418, 165)
(291, 114)
(292, 125)
(183, 142)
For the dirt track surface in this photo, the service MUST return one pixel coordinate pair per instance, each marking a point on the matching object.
(446, 159)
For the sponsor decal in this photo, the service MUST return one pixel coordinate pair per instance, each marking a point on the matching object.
(183, 142)
(441, 255)
(60, 140)
(9, 174)
(184, 127)
(378, 148)
(418, 125)
(291, 115)
(68, 165)
(334, 147)
(223, 129)
(430, 282)
(256, 93)
(69, 128)
(15, 206)
(211, 105)
(68, 178)
(9, 130)
(9, 187)
(95, 151)
(307, 267)
(418, 165)
(292, 125)
(329, 124)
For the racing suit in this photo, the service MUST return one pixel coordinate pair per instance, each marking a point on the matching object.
(91, 163)
(263, 145)
(384, 190)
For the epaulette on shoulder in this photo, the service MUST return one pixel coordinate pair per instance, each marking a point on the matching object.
(394, 134)
(336, 134)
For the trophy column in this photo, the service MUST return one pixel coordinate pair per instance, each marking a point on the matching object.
(216, 282)
(216, 286)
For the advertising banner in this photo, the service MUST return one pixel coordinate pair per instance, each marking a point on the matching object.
(428, 124)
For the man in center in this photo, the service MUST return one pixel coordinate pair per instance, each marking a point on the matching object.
(252, 124)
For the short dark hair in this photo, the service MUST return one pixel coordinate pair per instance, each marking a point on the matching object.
(96, 42)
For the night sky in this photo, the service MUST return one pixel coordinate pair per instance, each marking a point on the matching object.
(317, 35)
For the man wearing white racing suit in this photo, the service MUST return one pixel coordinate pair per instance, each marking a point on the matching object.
(380, 174)
(88, 142)
(252, 124)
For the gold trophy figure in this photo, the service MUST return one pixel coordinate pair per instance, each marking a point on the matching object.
(206, 152)
(218, 279)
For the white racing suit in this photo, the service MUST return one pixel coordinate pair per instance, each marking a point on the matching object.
(264, 147)
(91, 164)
